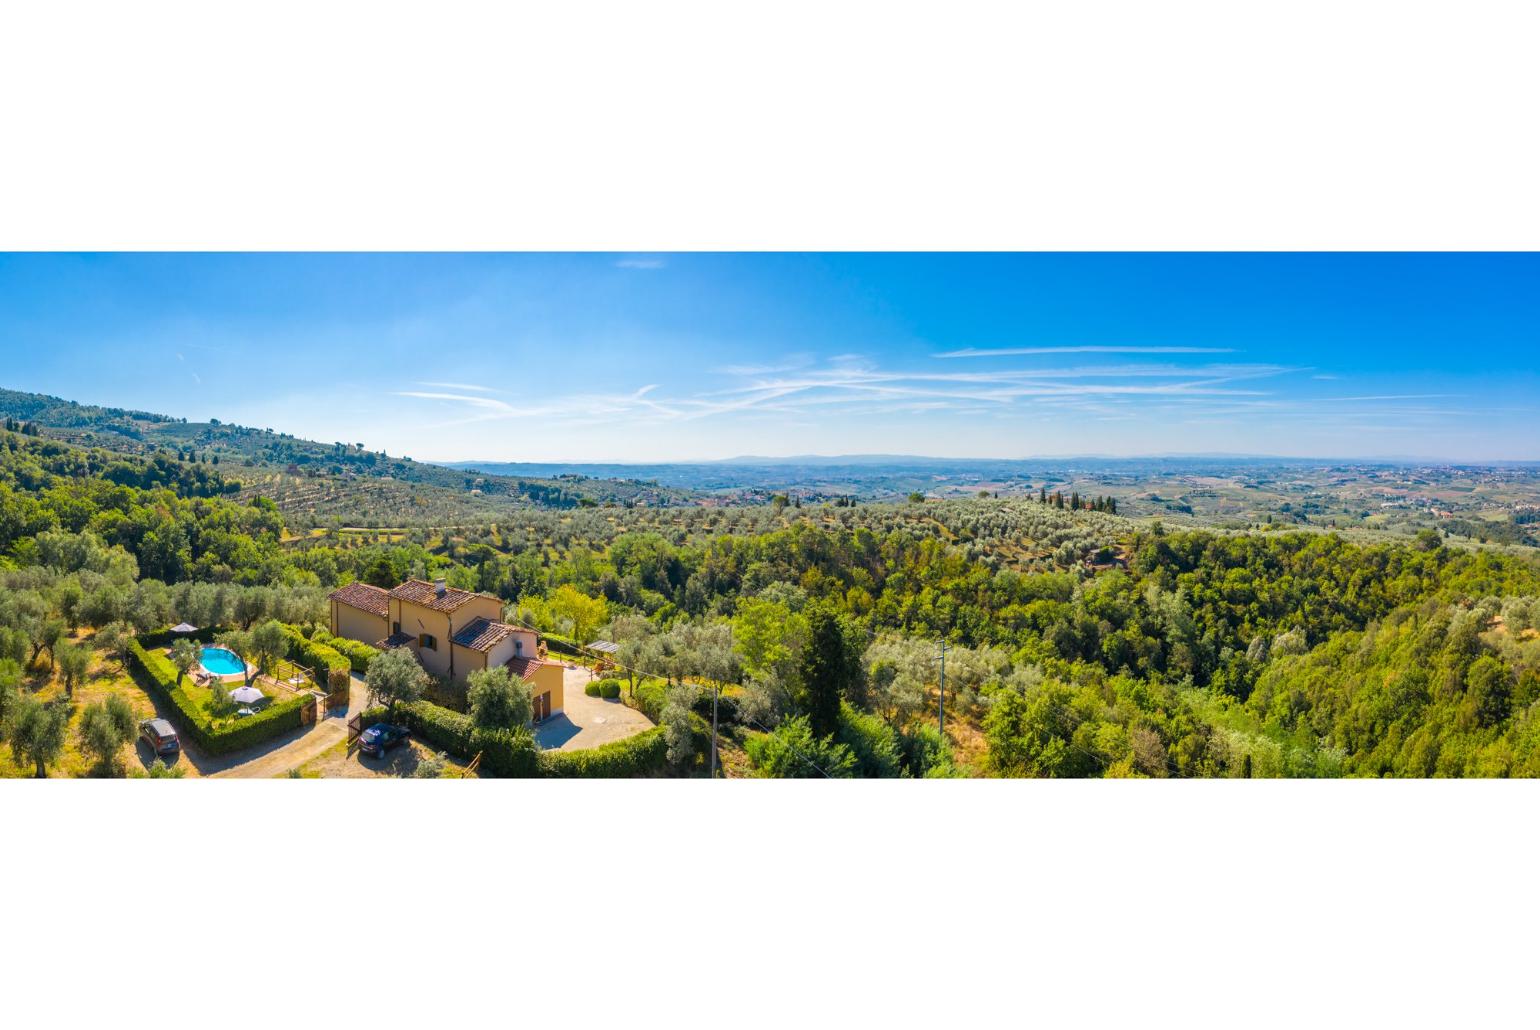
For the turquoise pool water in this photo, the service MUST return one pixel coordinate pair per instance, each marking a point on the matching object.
(221, 662)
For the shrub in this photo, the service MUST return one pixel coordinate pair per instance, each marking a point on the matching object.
(727, 706)
(322, 660)
(158, 676)
(504, 753)
(645, 754)
(591, 689)
(499, 700)
(650, 698)
(792, 750)
(512, 753)
(436, 726)
(358, 654)
(871, 740)
(164, 638)
(609, 690)
(507, 753)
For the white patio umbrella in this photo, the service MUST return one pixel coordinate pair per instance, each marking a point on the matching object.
(246, 695)
(183, 627)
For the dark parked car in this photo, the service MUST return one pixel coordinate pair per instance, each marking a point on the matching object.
(159, 734)
(381, 737)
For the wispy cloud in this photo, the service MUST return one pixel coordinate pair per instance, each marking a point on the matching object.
(1002, 352)
(1396, 397)
(462, 386)
(471, 400)
(852, 385)
(642, 264)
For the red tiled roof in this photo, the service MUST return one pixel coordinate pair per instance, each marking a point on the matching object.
(524, 667)
(482, 634)
(415, 591)
(364, 597)
(395, 640)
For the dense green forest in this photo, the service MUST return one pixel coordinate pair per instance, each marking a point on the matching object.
(1079, 643)
(314, 482)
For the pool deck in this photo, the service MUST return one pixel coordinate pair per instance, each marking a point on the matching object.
(223, 677)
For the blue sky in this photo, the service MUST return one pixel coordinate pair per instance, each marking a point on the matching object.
(659, 357)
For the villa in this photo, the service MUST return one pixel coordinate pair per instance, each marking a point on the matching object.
(452, 632)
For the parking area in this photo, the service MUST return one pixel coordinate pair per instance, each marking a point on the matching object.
(588, 721)
(339, 762)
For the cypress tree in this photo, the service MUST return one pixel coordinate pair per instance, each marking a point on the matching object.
(831, 670)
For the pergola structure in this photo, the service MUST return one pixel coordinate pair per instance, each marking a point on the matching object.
(606, 650)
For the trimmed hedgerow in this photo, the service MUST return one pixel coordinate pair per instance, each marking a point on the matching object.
(158, 676)
(324, 663)
(506, 753)
(650, 698)
(645, 754)
(165, 638)
(358, 654)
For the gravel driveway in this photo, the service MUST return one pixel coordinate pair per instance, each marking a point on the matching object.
(588, 721)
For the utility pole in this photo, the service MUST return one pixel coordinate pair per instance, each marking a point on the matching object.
(941, 698)
(715, 690)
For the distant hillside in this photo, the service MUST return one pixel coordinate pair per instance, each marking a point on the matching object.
(321, 480)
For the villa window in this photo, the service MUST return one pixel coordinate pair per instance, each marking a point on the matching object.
(427, 642)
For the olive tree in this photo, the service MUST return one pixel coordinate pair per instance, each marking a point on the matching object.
(113, 638)
(36, 732)
(499, 700)
(184, 655)
(269, 643)
(239, 643)
(74, 661)
(395, 675)
(105, 728)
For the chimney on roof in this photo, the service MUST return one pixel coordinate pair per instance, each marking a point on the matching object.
(440, 586)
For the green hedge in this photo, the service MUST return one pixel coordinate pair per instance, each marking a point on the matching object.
(609, 689)
(645, 754)
(325, 664)
(165, 638)
(565, 646)
(649, 699)
(158, 676)
(358, 654)
(591, 689)
(504, 753)
(512, 754)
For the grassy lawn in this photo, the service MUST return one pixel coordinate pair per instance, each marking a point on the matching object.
(104, 677)
(223, 714)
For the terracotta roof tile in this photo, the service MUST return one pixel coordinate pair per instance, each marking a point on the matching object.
(364, 597)
(415, 591)
(524, 667)
(482, 634)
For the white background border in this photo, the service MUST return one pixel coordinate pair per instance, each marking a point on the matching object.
(792, 125)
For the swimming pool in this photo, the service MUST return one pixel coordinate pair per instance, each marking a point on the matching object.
(221, 662)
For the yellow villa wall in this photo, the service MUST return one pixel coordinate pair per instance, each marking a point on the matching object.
(417, 620)
(353, 624)
(549, 677)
